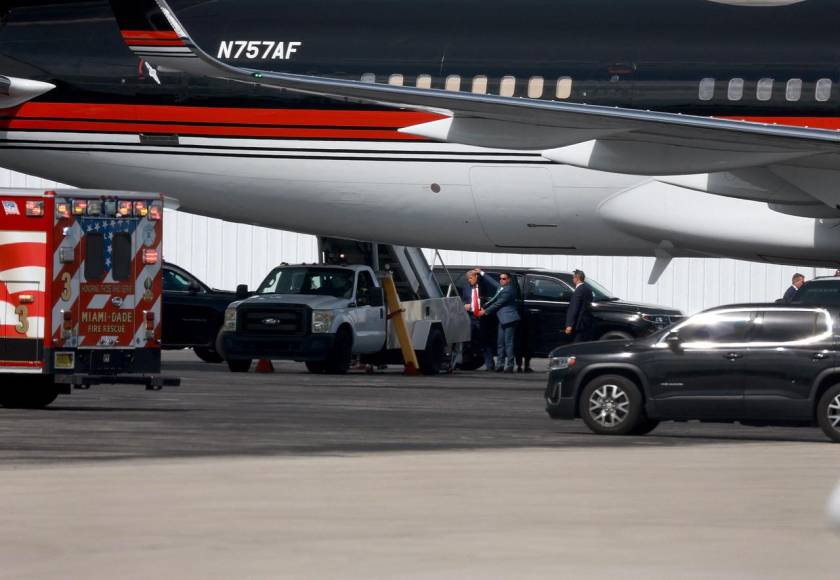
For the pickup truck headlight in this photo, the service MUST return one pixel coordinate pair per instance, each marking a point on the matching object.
(557, 363)
(322, 321)
(230, 320)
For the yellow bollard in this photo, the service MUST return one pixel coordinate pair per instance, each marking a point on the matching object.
(395, 315)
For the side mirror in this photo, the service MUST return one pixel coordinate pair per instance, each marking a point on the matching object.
(674, 342)
(194, 287)
(242, 292)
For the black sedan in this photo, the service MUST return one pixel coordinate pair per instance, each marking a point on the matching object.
(753, 364)
(192, 313)
(545, 296)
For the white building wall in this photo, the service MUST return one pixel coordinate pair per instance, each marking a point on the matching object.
(225, 254)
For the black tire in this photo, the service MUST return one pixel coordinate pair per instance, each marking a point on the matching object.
(32, 394)
(431, 359)
(239, 366)
(828, 413)
(616, 335)
(645, 426)
(620, 404)
(208, 355)
(317, 367)
(341, 354)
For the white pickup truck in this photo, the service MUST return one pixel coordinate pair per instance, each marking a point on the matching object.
(326, 315)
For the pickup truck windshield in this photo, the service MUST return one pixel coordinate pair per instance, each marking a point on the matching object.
(334, 282)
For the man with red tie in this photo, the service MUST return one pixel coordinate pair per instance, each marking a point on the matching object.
(475, 296)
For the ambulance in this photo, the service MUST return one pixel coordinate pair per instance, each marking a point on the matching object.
(80, 293)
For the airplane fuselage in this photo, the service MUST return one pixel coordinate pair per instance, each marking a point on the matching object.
(313, 164)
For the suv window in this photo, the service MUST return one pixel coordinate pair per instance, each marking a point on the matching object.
(822, 293)
(175, 281)
(789, 326)
(716, 328)
(547, 289)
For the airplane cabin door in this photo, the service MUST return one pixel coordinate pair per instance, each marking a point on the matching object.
(517, 208)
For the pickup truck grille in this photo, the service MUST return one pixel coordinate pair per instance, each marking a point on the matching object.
(279, 321)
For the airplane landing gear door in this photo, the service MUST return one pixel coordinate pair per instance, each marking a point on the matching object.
(517, 207)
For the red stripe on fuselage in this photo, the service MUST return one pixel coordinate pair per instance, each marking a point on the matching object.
(223, 115)
(154, 42)
(149, 34)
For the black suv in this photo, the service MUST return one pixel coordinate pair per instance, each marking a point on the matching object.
(545, 296)
(823, 291)
(192, 313)
(755, 364)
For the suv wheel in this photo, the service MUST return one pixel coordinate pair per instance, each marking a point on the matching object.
(616, 335)
(611, 405)
(338, 362)
(239, 366)
(828, 413)
(208, 355)
(316, 366)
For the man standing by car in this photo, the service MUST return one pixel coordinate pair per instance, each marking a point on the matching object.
(475, 296)
(503, 304)
(796, 284)
(579, 320)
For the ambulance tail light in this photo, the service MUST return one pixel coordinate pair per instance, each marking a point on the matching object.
(141, 209)
(150, 324)
(35, 208)
(150, 256)
(94, 207)
(62, 209)
(67, 325)
(124, 209)
(80, 207)
(155, 212)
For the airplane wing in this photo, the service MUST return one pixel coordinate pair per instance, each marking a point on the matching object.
(747, 154)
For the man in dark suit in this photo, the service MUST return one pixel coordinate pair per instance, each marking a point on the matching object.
(579, 319)
(796, 283)
(503, 304)
(475, 296)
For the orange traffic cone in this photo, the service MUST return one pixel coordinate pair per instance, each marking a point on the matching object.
(264, 366)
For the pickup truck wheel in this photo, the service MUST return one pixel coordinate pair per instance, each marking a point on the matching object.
(612, 405)
(317, 367)
(239, 366)
(338, 362)
(431, 359)
(208, 355)
(29, 395)
(828, 413)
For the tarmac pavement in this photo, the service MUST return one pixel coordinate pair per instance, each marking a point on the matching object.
(293, 475)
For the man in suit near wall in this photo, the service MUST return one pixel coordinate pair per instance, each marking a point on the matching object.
(796, 283)
(579, 319)
(503, 305)
(475, 296)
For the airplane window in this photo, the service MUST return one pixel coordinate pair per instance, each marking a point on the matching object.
(764, 90)
(424, 82)
(564, 87)
(396, 80)
(453, 83)
(479, 86)
(823, 90)
(368, 78)
(508, 86)
(736, 90)
(707, 89)
(793, 91)
(535, 87)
